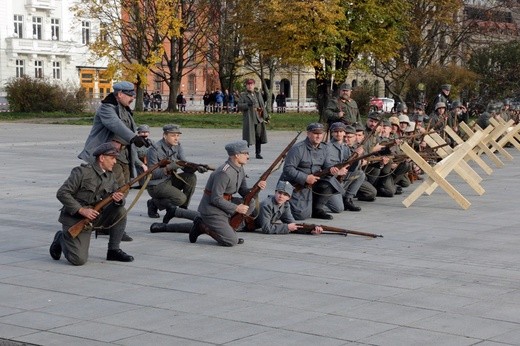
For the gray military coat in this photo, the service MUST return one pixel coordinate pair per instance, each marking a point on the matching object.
(112, 121)
(248, 103)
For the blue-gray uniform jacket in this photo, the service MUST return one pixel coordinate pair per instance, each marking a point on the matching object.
(303, 159)
(162, 150)
(112, 121)
(225, 181)
(339, 152)
(86, 186)
(271, 213)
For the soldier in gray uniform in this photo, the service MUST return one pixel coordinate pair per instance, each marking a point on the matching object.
(87, 185)
(303, 159)
(255, 117)
(343, 108)
(168, 188)
(217, 204)
(274, 216)
(352, 177)
(114, 122)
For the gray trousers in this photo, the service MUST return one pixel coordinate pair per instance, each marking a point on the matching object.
(351, 183)
(174, 191)
(222, 232)
(75, 250)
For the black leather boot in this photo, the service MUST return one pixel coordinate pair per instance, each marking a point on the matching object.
(198, 228)
(119, 255)
(157, 227)
(152, 209)
(170, 213)
(349, 205)
(55, 249)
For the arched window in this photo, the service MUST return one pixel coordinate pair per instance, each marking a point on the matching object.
(285, 87)
(311, 90)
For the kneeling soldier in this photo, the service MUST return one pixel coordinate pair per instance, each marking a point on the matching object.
(87, 185)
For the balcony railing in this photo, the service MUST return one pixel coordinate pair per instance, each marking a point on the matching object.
(40, 4)
(40, 47)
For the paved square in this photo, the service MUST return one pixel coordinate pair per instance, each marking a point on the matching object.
(440, 276)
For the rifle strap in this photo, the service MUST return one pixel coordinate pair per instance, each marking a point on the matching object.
(136, 198)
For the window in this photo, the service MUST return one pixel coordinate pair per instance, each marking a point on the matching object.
(37, 27)
(38, 69)
(18, 25)
(56, 70)
(20, 68)
(85, 32)
(55, 29)
(191, 83)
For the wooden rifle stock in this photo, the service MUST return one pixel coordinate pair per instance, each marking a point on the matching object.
(308, 228)
(80, 225)
(236, 219)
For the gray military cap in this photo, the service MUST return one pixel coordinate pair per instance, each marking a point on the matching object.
(108, 148)
(316, 128)
(125, 87)
(171, 128)
(237, 147)
(345, 86)
(337, 126)
(350, 129)
(143, 128)
(285, 187)
(446, 87)
(386, 122)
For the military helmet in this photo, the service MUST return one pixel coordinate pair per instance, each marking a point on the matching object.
(456, 104)
(401, 107)
(493, 107)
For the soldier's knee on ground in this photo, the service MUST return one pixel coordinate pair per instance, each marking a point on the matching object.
(75, 260)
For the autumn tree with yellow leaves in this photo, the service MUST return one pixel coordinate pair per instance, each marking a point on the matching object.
(330, 35)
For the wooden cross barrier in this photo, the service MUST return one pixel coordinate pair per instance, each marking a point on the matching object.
(462, 168)
(482, 146)
(472, 155)
(511, 135)
(490, 140)
(437, 173)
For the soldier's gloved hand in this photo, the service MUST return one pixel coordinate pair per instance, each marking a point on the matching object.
(172, 166)
(202, 169)
(140, 141)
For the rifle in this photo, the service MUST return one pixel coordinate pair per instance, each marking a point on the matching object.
(236, 219)
(80, 225)
(194, 166)
(352, 160)
(307, 228)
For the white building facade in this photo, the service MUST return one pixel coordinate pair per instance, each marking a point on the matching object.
(42, 39)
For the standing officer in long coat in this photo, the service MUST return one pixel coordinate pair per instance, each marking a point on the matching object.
(255, 117)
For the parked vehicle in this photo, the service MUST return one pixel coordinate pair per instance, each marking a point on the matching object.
(384, 104)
